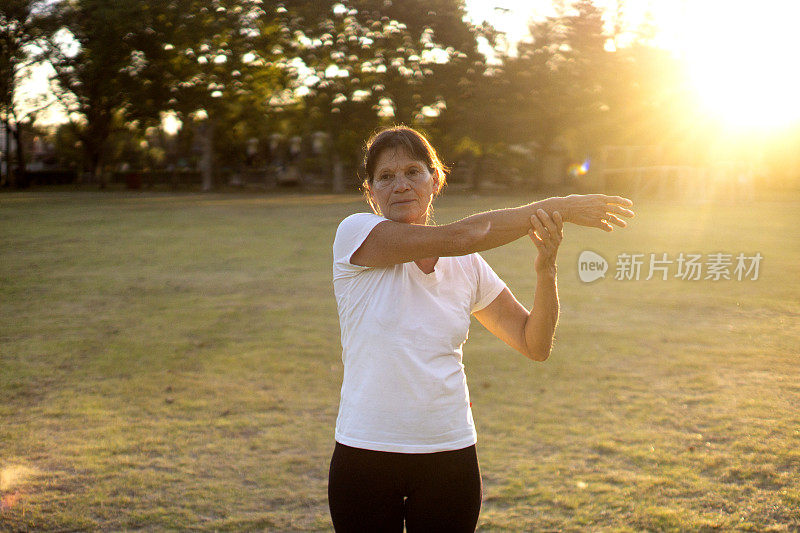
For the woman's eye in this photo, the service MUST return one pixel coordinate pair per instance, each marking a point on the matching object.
(384, 177)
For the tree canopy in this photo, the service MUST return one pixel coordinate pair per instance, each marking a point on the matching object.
(236, 73)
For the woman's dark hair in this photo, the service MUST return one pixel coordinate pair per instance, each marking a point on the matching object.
(412, 142)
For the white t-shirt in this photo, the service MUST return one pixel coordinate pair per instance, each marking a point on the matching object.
(404, 387)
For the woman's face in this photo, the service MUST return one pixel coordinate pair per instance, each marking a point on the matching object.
(402, 187)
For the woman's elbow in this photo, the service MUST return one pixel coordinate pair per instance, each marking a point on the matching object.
(537, 356)
(539, 353)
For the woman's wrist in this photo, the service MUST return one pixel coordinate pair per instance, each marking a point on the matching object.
(551, 205)
(549, 273)
(562, 205)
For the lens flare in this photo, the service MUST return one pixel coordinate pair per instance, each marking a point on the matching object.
(578, 169)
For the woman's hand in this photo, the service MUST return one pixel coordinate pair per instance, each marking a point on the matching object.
(595, 210)
(546, 234)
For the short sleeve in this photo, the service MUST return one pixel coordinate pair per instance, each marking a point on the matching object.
(350, 234)
(489, 284)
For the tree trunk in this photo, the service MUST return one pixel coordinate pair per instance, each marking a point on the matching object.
(338, 172)
(96, 167)
(20, 177)
(95, 138)
(99, 175)
(8, 176)
(207, 158)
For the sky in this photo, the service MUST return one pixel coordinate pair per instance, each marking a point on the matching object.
(512, 16)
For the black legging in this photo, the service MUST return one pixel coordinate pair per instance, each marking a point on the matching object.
(376, 491)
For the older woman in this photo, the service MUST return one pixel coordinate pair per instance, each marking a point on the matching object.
(405, 289)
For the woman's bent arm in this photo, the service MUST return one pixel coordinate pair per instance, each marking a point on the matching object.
(540, 327)
(531, 332)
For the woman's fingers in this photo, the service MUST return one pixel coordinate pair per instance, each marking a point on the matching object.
(617, 210)
(538, 227)
(549, 224)
(616, 220)
(536, 240)
(545, 251)
(548, 234)
(619, 200)
(597, 211)
(559, 222)
(541, 238)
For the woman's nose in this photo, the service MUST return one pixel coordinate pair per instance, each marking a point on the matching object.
(401, 183)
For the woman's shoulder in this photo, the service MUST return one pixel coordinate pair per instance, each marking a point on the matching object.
(359, 219)
(350, 234)
(355, 222)
(365, 215)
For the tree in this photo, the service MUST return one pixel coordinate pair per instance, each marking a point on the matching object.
(377, 61)
(19, 31)
(89, 47)
(558, 82)
(131, 61)
(217, 68)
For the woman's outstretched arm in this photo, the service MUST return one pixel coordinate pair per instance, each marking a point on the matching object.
(390, 243)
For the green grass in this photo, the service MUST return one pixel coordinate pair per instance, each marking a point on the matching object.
(173, 362)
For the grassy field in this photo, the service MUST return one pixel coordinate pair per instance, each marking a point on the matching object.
(173, 362)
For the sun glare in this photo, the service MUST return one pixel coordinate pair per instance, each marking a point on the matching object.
(740, 55)
(740, 58)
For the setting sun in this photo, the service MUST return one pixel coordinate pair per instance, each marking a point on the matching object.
(738, 56)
